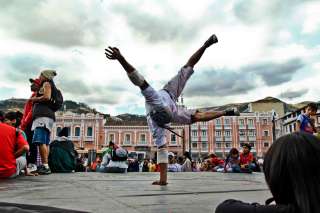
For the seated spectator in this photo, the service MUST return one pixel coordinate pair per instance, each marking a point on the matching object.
(232, 163)
(246, 159)
(194, 166)
(186, 166)
(117, 162)
(12, 148)
(62, 155)
(145, 166)
(289, 169)
(152, 166)
(133, 165)
(14, 119)
(96, 164)
(173, 165)
(215, 162)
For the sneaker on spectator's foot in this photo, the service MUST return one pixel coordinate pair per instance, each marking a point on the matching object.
(232, 112)
(42, 170)
(32, 168)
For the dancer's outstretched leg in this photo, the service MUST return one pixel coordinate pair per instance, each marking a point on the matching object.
(178, 82)
(210, 115)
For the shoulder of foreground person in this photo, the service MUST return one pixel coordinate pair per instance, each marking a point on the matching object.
(231, 206)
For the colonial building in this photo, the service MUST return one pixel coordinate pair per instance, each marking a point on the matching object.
(134, 135)
(220, 135)
(85, 130)
(91, 131)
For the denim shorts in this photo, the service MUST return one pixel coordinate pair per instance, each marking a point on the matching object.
(41, 136)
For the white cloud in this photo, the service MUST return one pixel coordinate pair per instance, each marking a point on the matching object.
(157, 37)
(311, 18)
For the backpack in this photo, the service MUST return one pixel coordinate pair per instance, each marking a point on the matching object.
(119, 154)
(56, 100)
(62, 157)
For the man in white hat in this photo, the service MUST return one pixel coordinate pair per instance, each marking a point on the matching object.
(43, 117)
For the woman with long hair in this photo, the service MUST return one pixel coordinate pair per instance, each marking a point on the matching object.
(292, 174)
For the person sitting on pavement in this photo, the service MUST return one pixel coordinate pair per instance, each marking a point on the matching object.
(12, 148)
(246, 159)
(173, 166)
(117, 162)
(232, 162)
(289, 169)
(186, 166)
(215, 162)
(62, 155)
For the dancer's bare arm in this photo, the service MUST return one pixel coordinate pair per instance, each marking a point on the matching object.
(193, 60)
(113, 53)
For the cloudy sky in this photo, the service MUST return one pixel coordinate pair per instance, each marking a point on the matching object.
(266, 48)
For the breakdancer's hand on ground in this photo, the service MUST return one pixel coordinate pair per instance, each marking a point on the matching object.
(211, 40)
(113, 53)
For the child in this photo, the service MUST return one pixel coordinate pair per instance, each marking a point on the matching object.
(232, 162)
(304, 121)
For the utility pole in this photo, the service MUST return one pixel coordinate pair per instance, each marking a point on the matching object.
(273, 126)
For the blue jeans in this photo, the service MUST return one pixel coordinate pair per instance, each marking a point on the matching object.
(41, 136)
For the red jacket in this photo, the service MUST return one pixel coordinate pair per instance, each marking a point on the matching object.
(27, 113)
(246, 159)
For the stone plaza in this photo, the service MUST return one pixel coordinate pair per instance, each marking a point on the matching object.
(133, 192)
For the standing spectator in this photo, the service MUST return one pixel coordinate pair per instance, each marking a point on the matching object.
(26, 124)
(304, 121)
(43, 116)
(290, 172)
(186, 166)
(246, 159)
(12, 147)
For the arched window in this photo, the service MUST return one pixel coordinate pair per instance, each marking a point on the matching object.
(58, 130)
(89, 131)
(77, 131)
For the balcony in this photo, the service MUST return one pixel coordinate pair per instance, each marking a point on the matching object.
(242, 126)
(126, 143)
(227, 138)
(252, 138)
(88, 138)
(218, 126)
(242, 138)
(219, 138)
(204, 138)
(227, 126)
(142, 143)
(251, 127)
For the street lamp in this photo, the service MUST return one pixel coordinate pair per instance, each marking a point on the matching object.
(273, 126)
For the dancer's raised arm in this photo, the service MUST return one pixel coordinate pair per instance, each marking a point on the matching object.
(114, 53)
(193, 60)
(135, 77)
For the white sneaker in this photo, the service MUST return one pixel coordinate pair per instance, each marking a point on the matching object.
(32, 167)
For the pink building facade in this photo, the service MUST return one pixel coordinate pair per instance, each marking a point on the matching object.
(85, 130)
(90, 131)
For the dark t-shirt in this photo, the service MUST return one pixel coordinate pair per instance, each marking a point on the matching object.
(236, 206)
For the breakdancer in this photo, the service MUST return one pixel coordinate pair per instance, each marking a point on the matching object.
(161, 107)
